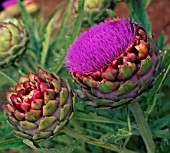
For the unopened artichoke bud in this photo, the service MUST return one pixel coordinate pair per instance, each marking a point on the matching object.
(10, 8)
(39, 105)
(114, 62)
(14, 40)
(95, 10)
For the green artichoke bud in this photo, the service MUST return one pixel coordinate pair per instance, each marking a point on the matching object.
(114, 62)
(10, 8)
(95, 11)
(14, 40)
(39, 105)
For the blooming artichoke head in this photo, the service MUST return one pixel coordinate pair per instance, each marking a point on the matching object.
(14, 40)
(39, 105)
(95, 10)
(114, 62)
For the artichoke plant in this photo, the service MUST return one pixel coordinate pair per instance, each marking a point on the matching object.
(94, 10)
(39, 105)
(114, 62)
(14, 40)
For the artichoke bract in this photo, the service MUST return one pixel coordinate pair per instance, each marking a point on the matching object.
(14, 40)
(95, 10)
(39, 105)
(114, 62)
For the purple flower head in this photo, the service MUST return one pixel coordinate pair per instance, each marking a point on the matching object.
(7, 3)
(100, 45)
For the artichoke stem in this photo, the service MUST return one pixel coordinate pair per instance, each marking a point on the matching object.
(143, 127)
(93, 141)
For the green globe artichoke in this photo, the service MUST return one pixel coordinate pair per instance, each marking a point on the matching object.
(14, 40)
(95, 10)
(114, 62)
(39, 105)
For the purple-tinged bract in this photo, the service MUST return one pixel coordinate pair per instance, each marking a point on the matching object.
(100, 45)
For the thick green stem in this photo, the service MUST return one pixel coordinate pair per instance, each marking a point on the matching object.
(93, 141)
(143, 127)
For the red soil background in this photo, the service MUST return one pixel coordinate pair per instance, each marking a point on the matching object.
(158, 10)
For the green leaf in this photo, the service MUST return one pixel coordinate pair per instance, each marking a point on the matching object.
(165, 133)
(111, 13)
(13, 143)
(59, 33)
(7, 77)
(147, 2)
(67, 149)
(46, 42)
(28, 20)
(153, 94)
(161, 123)
(74, 33)
(161, 41)
(53, 15)
(93, 117)
(164, 147)
(139, 14)
(113, 138)
(58, 37)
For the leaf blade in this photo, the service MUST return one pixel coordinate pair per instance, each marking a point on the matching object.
(13, 143)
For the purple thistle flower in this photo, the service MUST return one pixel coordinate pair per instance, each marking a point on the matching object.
(114, 62)
(100, 45)
(7, 3)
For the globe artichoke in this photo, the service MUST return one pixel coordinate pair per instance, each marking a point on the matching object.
(114, 62)
(39, 105)
(14, 40)
(94, 10)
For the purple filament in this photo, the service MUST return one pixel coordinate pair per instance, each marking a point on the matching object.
(100, 45)
(7, 3)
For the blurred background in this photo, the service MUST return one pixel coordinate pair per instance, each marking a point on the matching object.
(159, 15)
(158, 11)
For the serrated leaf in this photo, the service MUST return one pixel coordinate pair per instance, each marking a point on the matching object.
(13, 143)
(121, 134)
